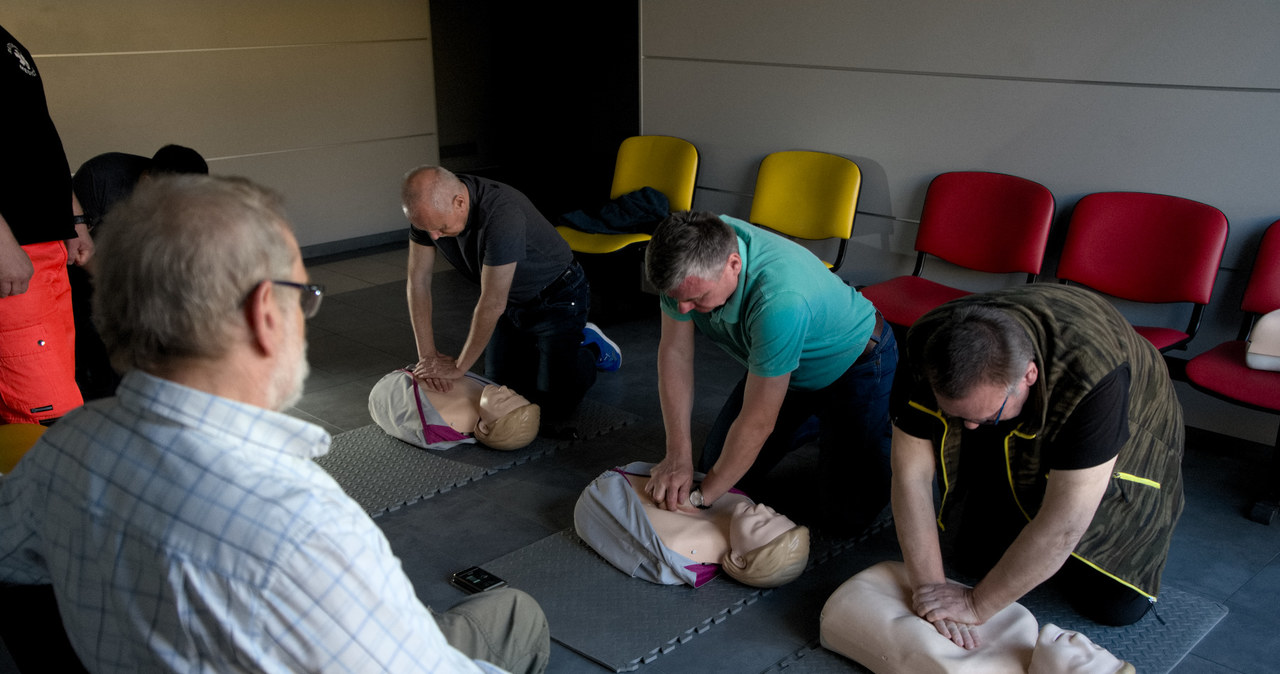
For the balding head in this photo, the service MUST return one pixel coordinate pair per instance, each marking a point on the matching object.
(435, 201)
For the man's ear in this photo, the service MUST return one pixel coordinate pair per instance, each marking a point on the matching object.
(735, 262)
(263, 318)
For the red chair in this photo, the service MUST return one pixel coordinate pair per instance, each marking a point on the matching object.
(1222, 372)
(989, 222)
(1146, 248)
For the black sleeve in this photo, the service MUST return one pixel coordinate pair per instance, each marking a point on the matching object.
(420, 237)
(909, 395)
(1097, 428)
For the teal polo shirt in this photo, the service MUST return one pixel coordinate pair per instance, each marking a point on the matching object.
(789, 314)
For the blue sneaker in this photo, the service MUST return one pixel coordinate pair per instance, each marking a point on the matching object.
(610, 355)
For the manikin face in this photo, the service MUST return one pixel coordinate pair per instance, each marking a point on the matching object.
(1060, 650)
(704, 295)
(754, 525)
(499, 401)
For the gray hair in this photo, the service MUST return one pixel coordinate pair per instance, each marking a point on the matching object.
(435, 183)
(176, 261)
(688, 244)
(978, 345)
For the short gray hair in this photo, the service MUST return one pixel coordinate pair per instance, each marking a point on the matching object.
(176, 261)
(978, 345)
(440, 191)
(688, 244)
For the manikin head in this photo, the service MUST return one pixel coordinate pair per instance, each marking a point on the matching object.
(1059, 651)
(507, 419)
(766, 549)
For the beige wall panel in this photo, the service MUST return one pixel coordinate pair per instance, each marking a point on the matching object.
(99, 26)
(1213, 146)
(340, 192)
(227, 103)
(1226, 43)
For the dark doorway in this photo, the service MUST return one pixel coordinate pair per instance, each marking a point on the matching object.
(537, 95)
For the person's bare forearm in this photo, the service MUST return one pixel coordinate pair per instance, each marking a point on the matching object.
(913, 509)
(418, 290)
(761, 401)
(1070, 501)
(483, 321)
(675, 396)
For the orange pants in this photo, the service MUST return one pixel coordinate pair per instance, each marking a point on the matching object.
(38, 342)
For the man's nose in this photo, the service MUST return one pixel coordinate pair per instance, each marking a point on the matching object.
(684, 307)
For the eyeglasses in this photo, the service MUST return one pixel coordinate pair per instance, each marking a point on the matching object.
(999, 413)
(311, 294)
(995, 421)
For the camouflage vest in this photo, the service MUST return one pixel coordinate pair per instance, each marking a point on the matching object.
(1079, 337)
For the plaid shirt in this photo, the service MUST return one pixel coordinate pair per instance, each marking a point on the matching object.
(187, 532)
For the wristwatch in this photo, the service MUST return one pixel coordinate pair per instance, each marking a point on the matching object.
(695, 499)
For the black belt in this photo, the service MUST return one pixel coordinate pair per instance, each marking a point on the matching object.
(561, 282)
(874, 340)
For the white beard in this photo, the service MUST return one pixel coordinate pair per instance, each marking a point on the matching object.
(290, 374)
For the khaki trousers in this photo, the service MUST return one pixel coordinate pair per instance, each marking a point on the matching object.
(505, 627)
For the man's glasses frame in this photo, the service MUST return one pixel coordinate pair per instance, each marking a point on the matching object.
(311, 295)
(999, 413)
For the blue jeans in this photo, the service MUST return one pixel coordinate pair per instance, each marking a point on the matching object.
(854, 435)
(536, 348)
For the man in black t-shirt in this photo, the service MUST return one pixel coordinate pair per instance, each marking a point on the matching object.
(532, 311)
(1055, 438)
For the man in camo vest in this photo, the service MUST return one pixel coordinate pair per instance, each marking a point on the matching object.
(1056, 439)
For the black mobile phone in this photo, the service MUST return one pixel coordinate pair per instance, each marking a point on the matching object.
(475, 579)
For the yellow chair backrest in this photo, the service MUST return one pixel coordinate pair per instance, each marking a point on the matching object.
(15, 440)
(809, 195)
(665, 163)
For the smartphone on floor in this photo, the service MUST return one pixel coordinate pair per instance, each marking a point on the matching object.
(475, 579)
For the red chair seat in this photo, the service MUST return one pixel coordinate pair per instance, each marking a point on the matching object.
(1223, 370)
(904, 299)
(1162, 338)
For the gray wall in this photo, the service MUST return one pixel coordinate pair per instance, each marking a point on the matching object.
(328, 102)
(1177, 97)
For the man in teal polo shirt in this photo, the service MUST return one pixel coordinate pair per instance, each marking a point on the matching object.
(812, 346)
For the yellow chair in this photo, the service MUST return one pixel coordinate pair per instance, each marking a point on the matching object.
(665, 163)
(808, 195)
(15, 440)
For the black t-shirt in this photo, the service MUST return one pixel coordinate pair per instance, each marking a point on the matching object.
(35, 180)
(503, 226)
(1091, 436)
(1097, 428)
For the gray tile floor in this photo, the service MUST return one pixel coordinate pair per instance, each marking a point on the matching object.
(363, 331)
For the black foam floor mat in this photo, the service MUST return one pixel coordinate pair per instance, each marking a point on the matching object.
(383, 473)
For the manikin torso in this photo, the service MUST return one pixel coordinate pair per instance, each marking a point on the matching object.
(704, 536)
(471, 402)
